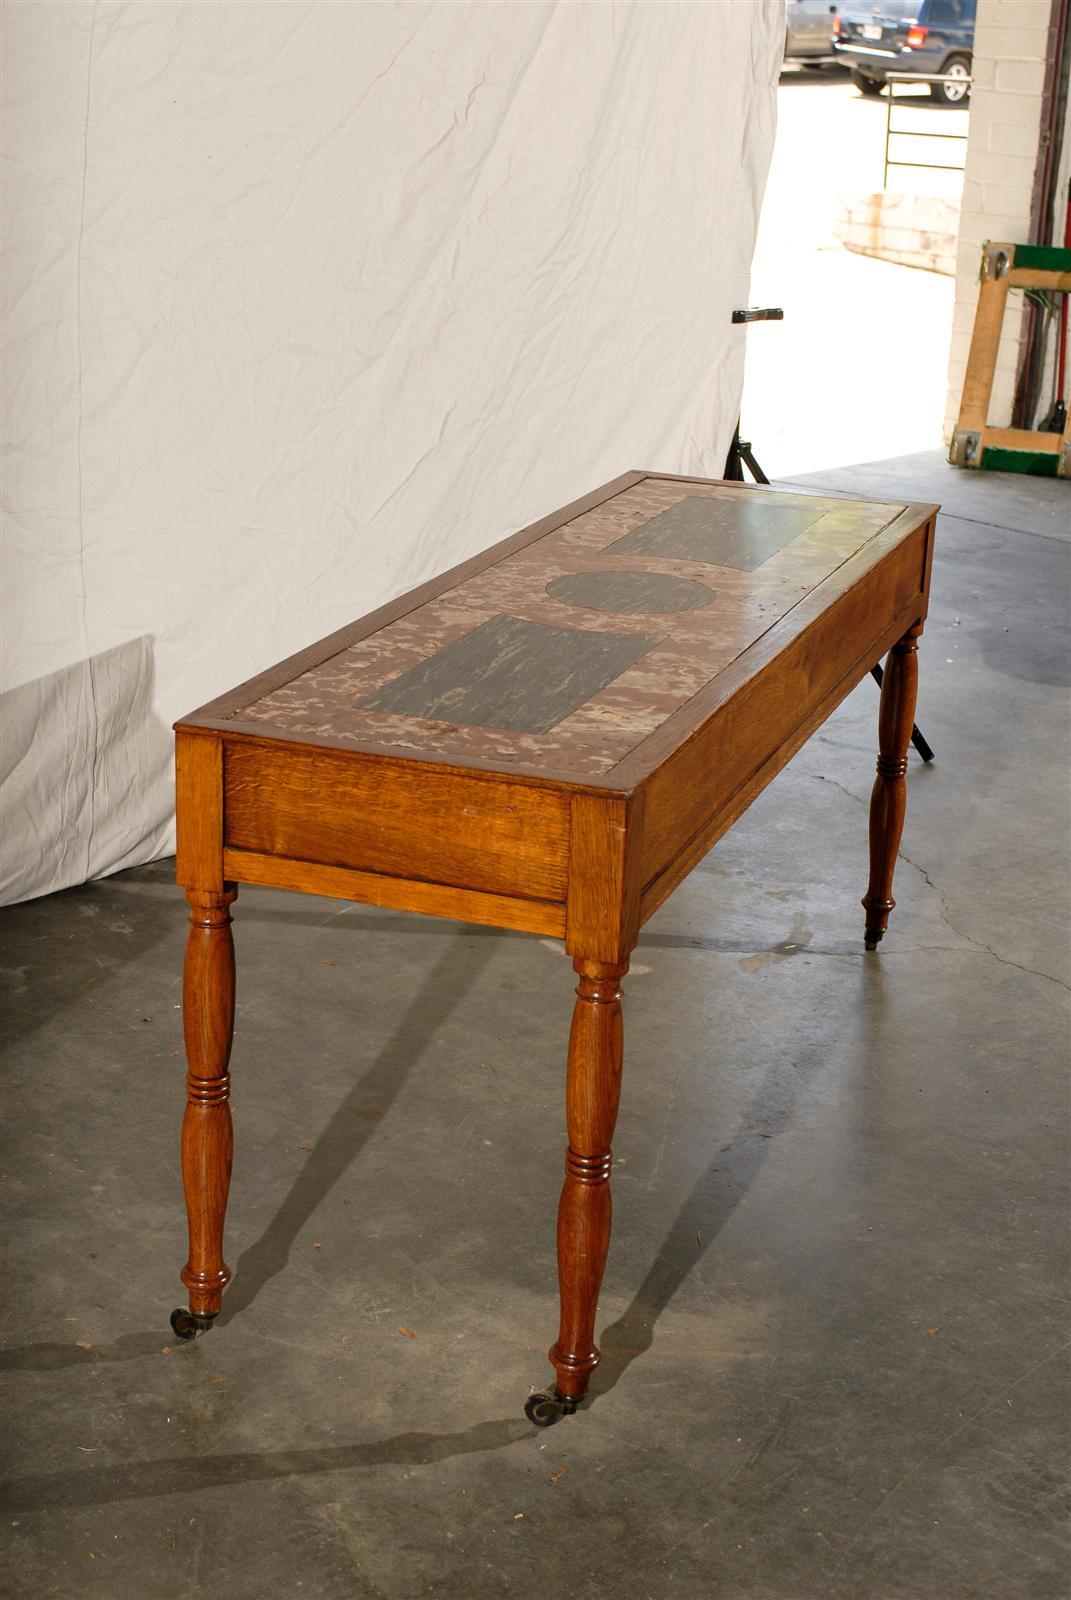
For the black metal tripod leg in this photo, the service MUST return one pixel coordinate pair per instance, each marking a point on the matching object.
(740, 456)
(733, 471)
(918, 739)
(746, 456)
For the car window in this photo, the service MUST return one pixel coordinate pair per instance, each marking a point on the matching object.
(901, 9)
(949, 12)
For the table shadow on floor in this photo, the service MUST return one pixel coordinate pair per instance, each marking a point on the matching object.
(704, 1213)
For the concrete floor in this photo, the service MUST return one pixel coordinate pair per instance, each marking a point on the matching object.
(835, 1304)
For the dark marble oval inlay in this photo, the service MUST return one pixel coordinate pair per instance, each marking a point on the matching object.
(630, 594)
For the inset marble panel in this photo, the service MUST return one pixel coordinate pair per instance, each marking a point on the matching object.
(511, 674)
(361, 693)
(740, 533)
(630, 594)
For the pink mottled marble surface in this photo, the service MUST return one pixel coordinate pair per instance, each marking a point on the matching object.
(695, 645)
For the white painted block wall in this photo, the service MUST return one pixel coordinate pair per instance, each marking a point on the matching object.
(1011, 38)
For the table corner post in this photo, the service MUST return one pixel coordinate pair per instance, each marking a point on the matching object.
(208, 991)
(888, 801)
(602, 924)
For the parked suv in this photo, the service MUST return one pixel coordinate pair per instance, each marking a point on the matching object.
(928, 36)
(809, 30)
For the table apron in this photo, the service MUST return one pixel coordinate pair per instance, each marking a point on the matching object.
(491, 835)
(697, 795)
(399, 894)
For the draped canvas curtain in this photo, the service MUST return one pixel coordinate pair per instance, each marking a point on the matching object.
(305, 303)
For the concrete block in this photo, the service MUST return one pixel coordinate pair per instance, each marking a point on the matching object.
(1021, 77)
(1012, 139)
(915, 230)
(968, 268)
(1011, 203)
(959, 345)
(1014, 171)
(1014, 14)
(1015, 44)
(1004, 106)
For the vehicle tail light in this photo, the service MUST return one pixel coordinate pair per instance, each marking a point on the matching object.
(916, 37)
(836, 25)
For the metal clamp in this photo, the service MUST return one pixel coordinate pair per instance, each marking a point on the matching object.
(758, 314)
(996, 260)
(965, 448)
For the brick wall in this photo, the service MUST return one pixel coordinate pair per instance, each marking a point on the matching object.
(1010, 43)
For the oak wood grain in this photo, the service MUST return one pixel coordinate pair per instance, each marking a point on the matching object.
(400, 894)
(982, 356)
(888, 801)
(199, 810)
(658, 890)
(1035, 278)
(207, 1139)
(401, 821)
(1041, 443)
(592, 1093)
(605, 865)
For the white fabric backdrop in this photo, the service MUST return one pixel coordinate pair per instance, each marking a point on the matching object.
(305, 303)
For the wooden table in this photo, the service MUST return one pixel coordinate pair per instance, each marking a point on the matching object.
(547, 738)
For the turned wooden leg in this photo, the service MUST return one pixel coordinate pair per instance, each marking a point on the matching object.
(593, 1089)
(889, 798)
(207, 1140)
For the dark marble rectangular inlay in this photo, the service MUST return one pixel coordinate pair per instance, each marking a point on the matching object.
(722, 533)
(508, 673)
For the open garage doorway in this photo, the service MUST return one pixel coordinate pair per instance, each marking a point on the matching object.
(859, 367)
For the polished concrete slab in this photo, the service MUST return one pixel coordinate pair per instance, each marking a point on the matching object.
(835, 1312)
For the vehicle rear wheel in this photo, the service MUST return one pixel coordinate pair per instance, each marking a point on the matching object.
(867, 85)
(958, 91)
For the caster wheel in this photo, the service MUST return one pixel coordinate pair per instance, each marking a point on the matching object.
(965, 448)
(547, 1409)
(187, 1325)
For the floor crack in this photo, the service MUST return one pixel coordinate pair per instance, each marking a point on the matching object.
(979, 944)
(858, 798)
(945, 914)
